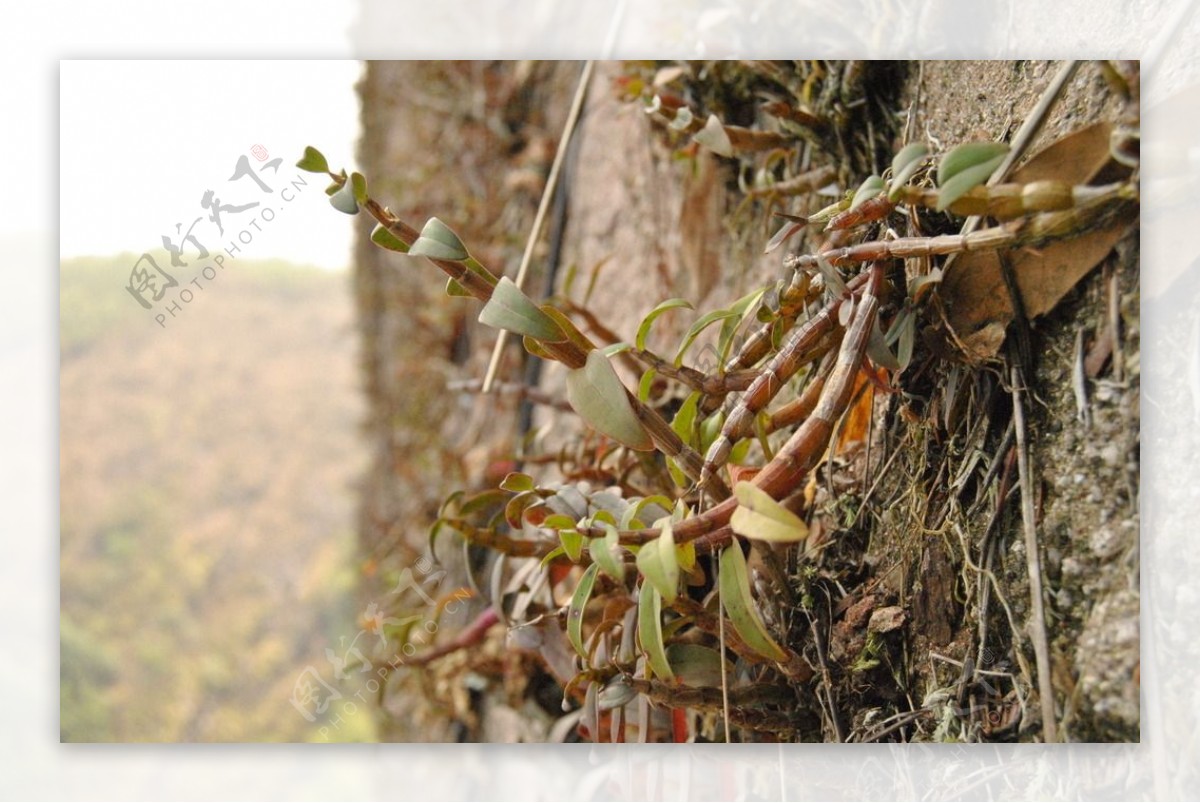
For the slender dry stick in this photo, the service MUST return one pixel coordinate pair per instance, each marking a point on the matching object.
(543, 206)
(530, 394)
(1114, 325)
(1041, 646)
(826, 680)
(724, 671)
(892, 724)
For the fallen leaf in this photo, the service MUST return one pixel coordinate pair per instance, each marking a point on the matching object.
(885, 620)
(858, 417)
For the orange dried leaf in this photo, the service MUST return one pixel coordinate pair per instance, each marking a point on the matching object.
(858, 417)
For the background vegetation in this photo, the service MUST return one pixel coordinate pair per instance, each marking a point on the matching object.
(207, 490)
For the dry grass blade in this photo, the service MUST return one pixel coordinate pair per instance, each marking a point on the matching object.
(1037, 622)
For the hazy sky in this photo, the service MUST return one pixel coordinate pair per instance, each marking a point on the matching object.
(142, 142)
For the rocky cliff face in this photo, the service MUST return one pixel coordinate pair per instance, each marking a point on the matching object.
(471, 143)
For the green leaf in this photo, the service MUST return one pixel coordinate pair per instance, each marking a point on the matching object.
(438, 241)
(747, 307)
(514, 509)
(735, 596)
(760, 517)
(451, 501)
(714, 137)
(678, 475)
(905, 165)
(607, 503)
(659, 564)
(967, 166)
(650, 631)
(871, 187)
(343, 200)
(656, 507)
(684, 425)
(435, 530)
(685, 556)
(517, 482)
(456, 290)
(482, 502)
(579, 601)
(740, 450)
(510, 309)
(906, 157)
(644, 329)
(313, 161)
(473, 265)
(557, 552)
(383, 237)
(964, 182)
(646, 384)
(571, 332)
(699, 326)
(358, 183)
(710, 429)
(697, 665)
(966, 156)
(572, 543)
(825, 214)
(597, 395)
(558, 521)
(605, 552)
(684, 422)
(537, 349)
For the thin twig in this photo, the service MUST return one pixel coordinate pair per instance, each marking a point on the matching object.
(724, 671)
(826, 680)
(1114, 324)
(997, 462)
(892, 724)
(1079, 382)
(1041, 645)
(530, 394)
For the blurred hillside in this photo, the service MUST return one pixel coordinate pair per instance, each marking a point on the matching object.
(208, 475)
